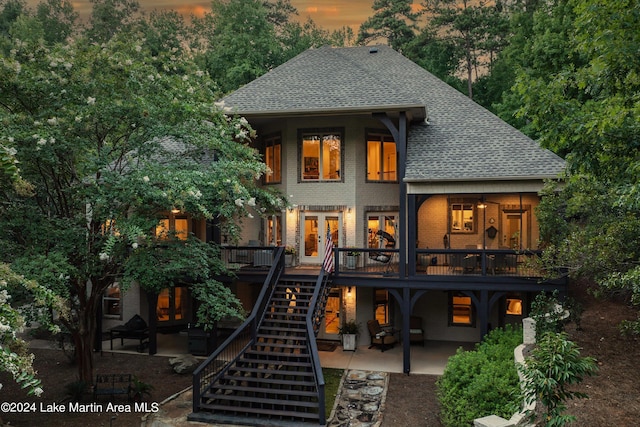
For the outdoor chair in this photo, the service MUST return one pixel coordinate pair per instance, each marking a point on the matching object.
(416, 333)
(379, 337)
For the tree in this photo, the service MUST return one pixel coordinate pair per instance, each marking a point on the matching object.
(58, 19)
(241, 42)
(476, 32)
(110, 17)
(554, 366)
(582, 101)
(14, 356)
(393, 20)
(109, 136)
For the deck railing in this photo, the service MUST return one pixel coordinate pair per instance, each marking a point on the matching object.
(242, 338)
(442, 262)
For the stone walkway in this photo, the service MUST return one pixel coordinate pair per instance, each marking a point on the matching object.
(360, 403)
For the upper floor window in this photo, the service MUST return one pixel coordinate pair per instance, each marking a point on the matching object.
(382, 159)
(321, 158)
(175, 224)
(273, 158)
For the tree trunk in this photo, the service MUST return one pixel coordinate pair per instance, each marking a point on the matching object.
(83, 339)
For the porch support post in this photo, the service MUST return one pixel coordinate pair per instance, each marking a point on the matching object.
(152, 299)
(412, 219)
(406, 344)
(406, 302)
(400, 136)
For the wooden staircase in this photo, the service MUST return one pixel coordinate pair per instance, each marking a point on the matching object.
(275, 378)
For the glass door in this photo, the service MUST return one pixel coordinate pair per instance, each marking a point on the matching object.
(330, 327)
(315, 226)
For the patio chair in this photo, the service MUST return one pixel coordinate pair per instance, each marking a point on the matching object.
(379, 337)
(384, 257)
(416, 333)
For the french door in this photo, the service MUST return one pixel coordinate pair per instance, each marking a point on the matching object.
(315, 226)
(330, 327)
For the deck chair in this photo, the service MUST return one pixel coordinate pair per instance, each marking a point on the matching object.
(381, 256)
(379, 337)
(416, 333)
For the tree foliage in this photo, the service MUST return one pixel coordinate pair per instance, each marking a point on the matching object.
(393, 21)
(549, 373)
(109, 136)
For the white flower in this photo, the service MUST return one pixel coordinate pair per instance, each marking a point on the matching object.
(138, 48)
(239, 202)
(103, 256)
(52, 121)
(78, 119)
(249, 215)
(185, 78)
(242, 134)
(199, 73)
(11, 139)
(52, 140)
(145, 178)
(38, 391)
(42, 141)
(219, 104)
(134, 245)
(252, 201)
(128, 62)
(91, 100)
(67, 65)
(243, 121)
(151, 77)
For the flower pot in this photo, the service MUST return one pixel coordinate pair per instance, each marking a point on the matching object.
(349, 342)
(352, 262)
(288, 260)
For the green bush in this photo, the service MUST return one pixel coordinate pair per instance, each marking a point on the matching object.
(481, 382)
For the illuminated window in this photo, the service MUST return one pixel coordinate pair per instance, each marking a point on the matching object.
(382, 314)
(514, 306)
(462, 217)
(460, 310)
(273, 158)
(111, 302)
(274, 230)
(382, 160)
(321, 156)
(175, 224)
(173, 305)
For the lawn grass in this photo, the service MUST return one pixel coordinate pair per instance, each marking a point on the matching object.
(332, 379)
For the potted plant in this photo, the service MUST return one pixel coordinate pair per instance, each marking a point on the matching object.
(352, 259)
(289, 253)
(140, 389)
(349, 332)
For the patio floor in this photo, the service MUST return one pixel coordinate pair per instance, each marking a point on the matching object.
(428, 359)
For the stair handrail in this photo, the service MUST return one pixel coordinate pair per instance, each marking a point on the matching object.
(316, 306)
(223, 357)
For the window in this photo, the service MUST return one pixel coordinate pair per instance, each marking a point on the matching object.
(382, 230)
(461, 311)
(381, 305)
(111, 302)
(321, 156)
(382, 160)
(174, 224)
(514, 306)
(463, 217)
(273, 158)
(274, 230)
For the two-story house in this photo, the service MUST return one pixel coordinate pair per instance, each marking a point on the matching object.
(428, 199)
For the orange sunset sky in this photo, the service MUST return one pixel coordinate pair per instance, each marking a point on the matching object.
(328, 14)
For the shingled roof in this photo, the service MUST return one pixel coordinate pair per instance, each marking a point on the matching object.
(461, 141)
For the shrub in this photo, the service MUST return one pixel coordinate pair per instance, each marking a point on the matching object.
(481, 382)
(554, 367)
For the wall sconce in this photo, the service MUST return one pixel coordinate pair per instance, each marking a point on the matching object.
(349, 290)
(175, 210)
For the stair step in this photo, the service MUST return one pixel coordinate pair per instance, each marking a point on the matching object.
(302, 336)
(284, 322)
(266, 391)
(269, 380)
(282, 328)
(263, 411)
(280, 372)
(260, 401)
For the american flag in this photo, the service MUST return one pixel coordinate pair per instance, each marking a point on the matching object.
(327, 264)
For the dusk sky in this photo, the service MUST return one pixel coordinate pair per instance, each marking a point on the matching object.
(329, 14)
